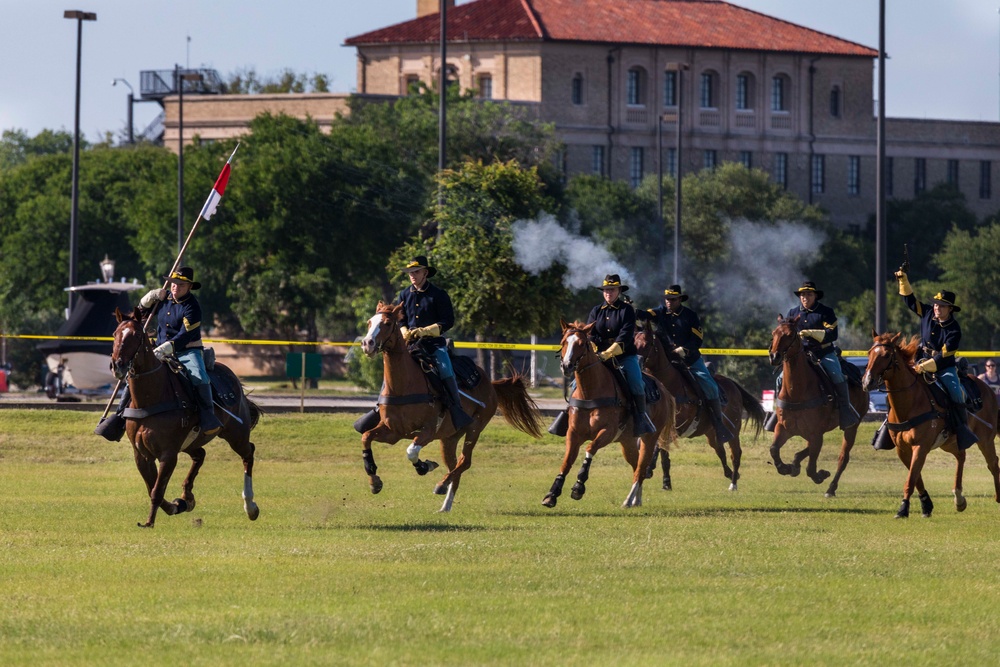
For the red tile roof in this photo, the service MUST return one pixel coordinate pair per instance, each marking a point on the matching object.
(684, 23)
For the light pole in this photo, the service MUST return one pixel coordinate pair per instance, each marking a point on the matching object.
(131, 102)
(442, 104)
(75, 196)
(679, 68)
(881, 317)
(180, 76)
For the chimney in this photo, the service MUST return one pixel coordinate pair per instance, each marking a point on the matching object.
(425, 7)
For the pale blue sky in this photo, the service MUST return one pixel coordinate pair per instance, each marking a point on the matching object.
(944, 54)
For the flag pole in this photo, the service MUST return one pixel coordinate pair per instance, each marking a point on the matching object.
(177, 261)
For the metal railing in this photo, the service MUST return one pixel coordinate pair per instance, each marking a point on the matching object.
(157, 84)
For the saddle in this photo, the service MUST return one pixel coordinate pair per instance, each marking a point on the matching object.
(973, 397)
(467, 374)
(648, 381)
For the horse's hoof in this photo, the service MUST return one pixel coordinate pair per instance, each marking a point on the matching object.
(252, 510)
(830, 494)
(144, 525)
(728, 473)
(821, 476)
(424, 467)
(732, 487)
(904, 510)
(577, 492)
(441, 489)
(549, 500)
(375, 483)
(667, 486)
(182, 505)
(794, 470)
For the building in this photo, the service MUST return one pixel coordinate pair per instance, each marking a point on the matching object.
(751, 88)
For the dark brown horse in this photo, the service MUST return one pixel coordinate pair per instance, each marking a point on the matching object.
(692, 415)
(598, 413)
(917, 421)
(170, 425)
(804, 409)
(409, 408)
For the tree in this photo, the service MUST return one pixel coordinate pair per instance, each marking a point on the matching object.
(969, 268)
(16, 147)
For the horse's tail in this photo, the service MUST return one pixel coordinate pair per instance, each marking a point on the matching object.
(668, 435)
(518, 408)
(755, 411)
(254, 409)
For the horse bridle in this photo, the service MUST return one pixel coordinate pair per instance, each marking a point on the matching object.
(893, 363)
(387, 319)
(575, 367)
(143, 342)
(786, 353)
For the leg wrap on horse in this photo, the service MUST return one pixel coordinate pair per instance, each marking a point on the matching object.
(369, 459)
(963, 434)
(722, 434)
(848, 416)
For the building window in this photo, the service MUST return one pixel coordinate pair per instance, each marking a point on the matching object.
(670, 89)
(742, 91)
(746, 159)
(452, 73)
(953, 173)
(635, 88)
(781, 169)
(985, 179)
(635, 166)
(818, 175)
(708, 82)
(577, 90)
(672, 162)
(486, 87)
(919, 175)
(709, 159)
(412, 84)
(835, 102)
(888, 176)
(597, 160)
(779, 93)
(854, 175)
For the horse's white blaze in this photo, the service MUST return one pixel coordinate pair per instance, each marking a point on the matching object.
(125, 334)
(413, 452)
(373, 325)
(572, 340)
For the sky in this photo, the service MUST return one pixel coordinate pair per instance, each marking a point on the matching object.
(944, 56)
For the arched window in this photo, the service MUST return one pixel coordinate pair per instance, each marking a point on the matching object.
(635, 87)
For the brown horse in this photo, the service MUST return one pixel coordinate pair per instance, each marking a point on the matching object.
(598, 412)
(692, 415)
(163, 421)
(917, 422)
(409, 408)
(804, 409)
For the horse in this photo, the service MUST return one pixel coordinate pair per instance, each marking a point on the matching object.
(804, 409)
(598, 413)
(692, 415)
(917, 421)
(163, 421)
(409, 408)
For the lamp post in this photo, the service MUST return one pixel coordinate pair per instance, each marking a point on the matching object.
(131, 103)
(180, 76)
(679, 68)
(881, 317)
(107, 269)
(75, 196)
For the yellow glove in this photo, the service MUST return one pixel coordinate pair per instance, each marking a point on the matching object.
(612, 351)
(406, 334)
(904, 284)
(680, 351)
(423, 332)
(816, 334)
(926, 366)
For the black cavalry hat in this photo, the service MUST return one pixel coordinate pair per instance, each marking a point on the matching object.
(183, 276)
(946, 298)
(675, 292)
(419, 262)
(612, 281)
(809, 286)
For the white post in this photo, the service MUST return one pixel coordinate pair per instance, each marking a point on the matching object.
(534, 361)
(302, 400)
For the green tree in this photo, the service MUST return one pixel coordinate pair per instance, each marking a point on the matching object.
(969, 268)
(16, 147)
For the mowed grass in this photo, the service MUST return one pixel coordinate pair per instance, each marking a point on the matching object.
(330, 574)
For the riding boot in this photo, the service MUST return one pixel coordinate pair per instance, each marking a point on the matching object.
(848, 416)
(207, 421)
(643, 424)
(966, 438)
(458, 417)
(560, 425)
(112, 427)
(722, 434)
(771, 422)
(882, 441)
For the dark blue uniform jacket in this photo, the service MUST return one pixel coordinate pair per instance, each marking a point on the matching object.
(180, 322)
(422, 308)
(938, 340)
(614, 323)
(820, 316)
(683, 329)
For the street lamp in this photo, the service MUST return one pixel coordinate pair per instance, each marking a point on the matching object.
(107, 269)
(679, 68)
(131, 102)
(75, 196)
(180, 77)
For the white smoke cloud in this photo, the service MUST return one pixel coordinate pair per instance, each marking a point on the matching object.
(538, 244)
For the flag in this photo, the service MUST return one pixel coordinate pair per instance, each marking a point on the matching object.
(208, 210)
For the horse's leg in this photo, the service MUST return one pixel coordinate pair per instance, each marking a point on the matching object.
(249, 506)
(917, 458)
(651, 468)
(815, 447)
(960, 502)
(780, 438)
(456, 466)
(580, 488)
(720, 452)
(736, 451)
(989, 450)
(573, 443)
(413, 451)
(645, 447)
(377, 433)
(665, 465)
(197, 455)
(168, 461)
(846, 445)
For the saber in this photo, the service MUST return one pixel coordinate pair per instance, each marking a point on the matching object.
(474, 400)
(222, 407)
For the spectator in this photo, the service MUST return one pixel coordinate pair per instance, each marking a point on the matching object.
(991, 377)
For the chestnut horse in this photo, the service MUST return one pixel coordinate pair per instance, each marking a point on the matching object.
(409, 408)
(804, 409)
(168, 426)
(692, 415)
(598, 412)
(917, 422)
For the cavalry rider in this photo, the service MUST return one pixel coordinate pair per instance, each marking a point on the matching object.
(178, 333)
(681, 328)
(940, 336)
(818, 331)
(614, 336)
(428, 313)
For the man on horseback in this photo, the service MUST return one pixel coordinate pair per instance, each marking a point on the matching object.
(428, 313)
(680, 329)
(614, 336)
(940, 336)
(818, 331)
(178, 333)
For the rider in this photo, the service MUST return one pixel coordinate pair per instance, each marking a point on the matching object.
(614, 336)
(940, 336)
(428, 313)
(178, 332)
(681, 327)
(818, 331)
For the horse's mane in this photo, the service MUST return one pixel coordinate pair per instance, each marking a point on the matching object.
(907, 350)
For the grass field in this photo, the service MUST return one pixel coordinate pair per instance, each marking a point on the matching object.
(773, 574)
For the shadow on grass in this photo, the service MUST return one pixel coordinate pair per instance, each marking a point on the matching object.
(709, 511)
(421, 528)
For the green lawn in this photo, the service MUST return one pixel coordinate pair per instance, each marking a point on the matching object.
(330, 574)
